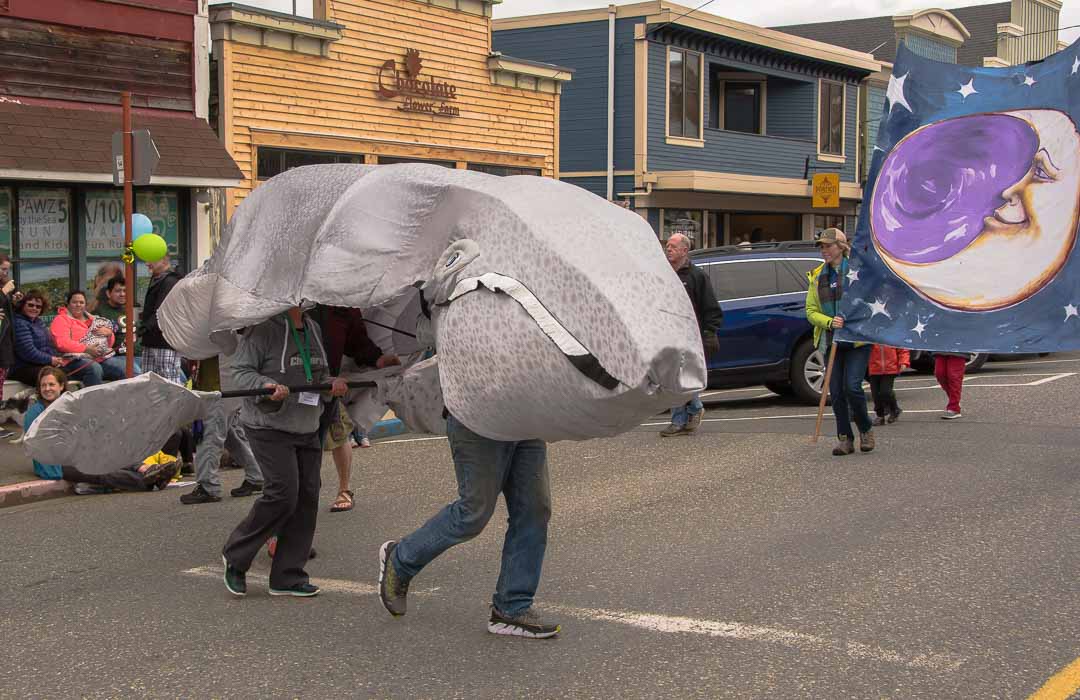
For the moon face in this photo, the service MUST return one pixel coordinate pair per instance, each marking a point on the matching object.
(980, 212)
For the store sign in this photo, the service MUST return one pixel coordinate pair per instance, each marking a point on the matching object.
(103, 219)
(418, 94)
(5, 220)
(826, 190)
(43, 222)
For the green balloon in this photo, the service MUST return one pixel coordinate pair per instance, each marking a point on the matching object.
(150, 247)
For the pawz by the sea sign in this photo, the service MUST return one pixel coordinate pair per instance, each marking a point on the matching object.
(420, 94)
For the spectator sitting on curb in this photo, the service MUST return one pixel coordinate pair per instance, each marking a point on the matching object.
(143, 477)
(114, 308)
(34, 347)
(83, 336)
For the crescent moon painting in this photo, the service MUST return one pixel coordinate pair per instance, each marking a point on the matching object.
(969, 224)
(980, 212)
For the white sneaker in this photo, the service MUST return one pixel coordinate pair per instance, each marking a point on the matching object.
(950, 415)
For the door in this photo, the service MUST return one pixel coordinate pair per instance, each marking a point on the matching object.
(753, 312)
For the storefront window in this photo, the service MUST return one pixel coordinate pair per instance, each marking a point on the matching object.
(44, 245)
(764, 228)
(274, 161)
(822, 222)
(388, 160)
(503, 170)
(5, 220)
(685, 221)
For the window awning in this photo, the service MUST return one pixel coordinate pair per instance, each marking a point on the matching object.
(44, 142)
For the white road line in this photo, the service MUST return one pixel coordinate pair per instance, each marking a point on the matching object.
(774, 635)
(667, 624)
(1037, 362)
(796, 415)
(1053, 378)
(419, 439)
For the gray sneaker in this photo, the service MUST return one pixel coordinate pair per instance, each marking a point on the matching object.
(950, 415)
(674, 430)
(695, 421)
(393, 588)
(527, 624)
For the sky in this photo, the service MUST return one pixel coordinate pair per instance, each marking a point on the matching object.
(771, 13)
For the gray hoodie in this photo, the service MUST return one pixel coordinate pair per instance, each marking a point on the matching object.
(268, 355)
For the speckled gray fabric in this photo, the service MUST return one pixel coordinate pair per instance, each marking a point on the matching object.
(368, 236)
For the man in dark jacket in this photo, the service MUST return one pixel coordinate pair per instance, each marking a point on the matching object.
(686, 419)
(157, 355)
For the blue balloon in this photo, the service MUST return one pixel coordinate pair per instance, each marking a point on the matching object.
(140, 224)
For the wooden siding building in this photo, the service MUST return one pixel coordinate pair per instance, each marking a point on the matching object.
(379, 81)
(63, 67)
(703, 125)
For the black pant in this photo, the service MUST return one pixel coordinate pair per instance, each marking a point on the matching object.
(126, 479)
(881, 388)
(288, 507)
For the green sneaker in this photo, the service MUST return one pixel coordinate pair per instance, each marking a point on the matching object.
(526, 624)
(393, 588)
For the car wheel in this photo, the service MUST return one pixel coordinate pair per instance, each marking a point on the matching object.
(975, 362)
(782, 388)
(807, 372)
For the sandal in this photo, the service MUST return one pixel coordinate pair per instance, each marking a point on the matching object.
(343, 502)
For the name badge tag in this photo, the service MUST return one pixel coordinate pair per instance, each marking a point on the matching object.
(309, 398)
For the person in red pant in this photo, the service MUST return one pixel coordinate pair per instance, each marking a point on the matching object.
(949, 370)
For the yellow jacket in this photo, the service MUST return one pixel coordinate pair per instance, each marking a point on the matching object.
(819, 320)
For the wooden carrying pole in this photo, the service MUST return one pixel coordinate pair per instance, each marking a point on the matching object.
(129, 262)
(824, 392)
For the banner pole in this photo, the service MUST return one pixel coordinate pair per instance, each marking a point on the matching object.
(824, 392)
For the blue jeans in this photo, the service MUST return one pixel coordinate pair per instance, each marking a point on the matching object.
(680, 415)
(116, 368)
(845, 387)
(485, 468)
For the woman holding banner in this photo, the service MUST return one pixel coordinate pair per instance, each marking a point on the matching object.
(847, 361)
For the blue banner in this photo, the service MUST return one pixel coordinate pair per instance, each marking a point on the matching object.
(967, 234)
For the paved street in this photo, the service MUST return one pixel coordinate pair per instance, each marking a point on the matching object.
(742, 561)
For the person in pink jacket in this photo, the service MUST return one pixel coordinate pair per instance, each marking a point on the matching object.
(78, 334)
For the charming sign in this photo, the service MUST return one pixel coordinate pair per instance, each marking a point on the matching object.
(421, 95)
(44, 227)
(826, 190)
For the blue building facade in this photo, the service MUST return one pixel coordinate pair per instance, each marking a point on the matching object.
(716, 127)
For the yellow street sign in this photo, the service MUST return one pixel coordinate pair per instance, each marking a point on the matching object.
(826, 190)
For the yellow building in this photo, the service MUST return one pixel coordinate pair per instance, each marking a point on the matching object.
(378, 81)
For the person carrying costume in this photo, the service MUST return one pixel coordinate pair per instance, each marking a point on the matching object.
(849, 367)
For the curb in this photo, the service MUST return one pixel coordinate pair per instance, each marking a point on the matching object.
(30, 491)
(386, 428)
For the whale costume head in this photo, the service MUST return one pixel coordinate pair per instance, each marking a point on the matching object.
(554, 314)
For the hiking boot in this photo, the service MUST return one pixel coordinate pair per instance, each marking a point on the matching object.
(393, 588)
(188, 469)
(247, 488)
(845, 446)
(527, 624)
(880, 420)
(235, 579)
(893, 417)
(866, 441)
(84, 489)
(167, 476)
(674, 430)
(695, 421)
(198, 495)
(950, 415)
(300, 590)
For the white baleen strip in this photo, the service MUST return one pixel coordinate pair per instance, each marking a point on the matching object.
(521, 294)
(774, 635)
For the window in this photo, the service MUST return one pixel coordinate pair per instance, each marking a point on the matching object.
(764, 228)
(503, 170)
(684, 94)
(274, 161)
(5, 220)
(827, 221)
(684, 221)
(44, 249)
(743, 279)
(737, 106)
(387, 160)
(791, 274)
(831, 119)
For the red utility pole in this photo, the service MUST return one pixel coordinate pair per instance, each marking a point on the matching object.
(129, 262)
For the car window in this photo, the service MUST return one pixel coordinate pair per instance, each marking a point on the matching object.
(738, 280)
(792, 274)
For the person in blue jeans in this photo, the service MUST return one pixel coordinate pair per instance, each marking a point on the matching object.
(484, 468)
(823, 296)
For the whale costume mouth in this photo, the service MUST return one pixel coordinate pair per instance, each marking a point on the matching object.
(578, 355)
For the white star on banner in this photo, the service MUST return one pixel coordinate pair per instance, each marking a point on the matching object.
(895, 92)
(852, 276)
(968, 89)
(1070, 311)
(919, 327)
(1029, 81)
(1076, 65)
(878, 307)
